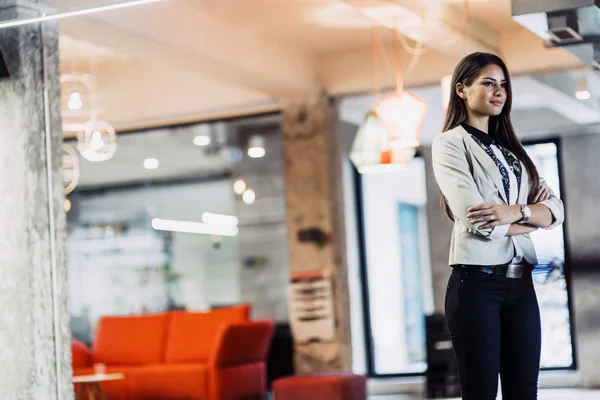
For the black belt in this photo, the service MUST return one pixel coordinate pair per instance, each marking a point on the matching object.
(509, 270)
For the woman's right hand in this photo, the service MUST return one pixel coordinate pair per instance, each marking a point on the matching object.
(542, 195)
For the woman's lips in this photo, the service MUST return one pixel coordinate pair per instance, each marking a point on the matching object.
(497, 103)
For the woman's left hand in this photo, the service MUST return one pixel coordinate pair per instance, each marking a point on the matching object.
(494, 214)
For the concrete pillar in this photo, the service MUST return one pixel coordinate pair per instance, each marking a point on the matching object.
(314, 197)
(34, 318)
(581, 188)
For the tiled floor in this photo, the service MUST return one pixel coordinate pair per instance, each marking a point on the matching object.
(554, 394)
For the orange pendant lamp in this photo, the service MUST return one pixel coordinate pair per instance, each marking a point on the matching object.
(390, 134)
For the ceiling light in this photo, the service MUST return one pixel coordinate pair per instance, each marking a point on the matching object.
(97, 143)
(582, 92)
(151, 163)
(202, 140)
(256, 146)
(256, 152)
(583, 95)
(193, 227)
(219, 219)
(239, 186)
(74, 13)
(75, 102)
(249, 196)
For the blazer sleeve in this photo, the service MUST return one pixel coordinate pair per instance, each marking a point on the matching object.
(454, 178)
(555, 205)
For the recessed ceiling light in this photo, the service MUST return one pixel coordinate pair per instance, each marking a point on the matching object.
(201, 140)
(239, 186)
(249, 196)
(151, 163)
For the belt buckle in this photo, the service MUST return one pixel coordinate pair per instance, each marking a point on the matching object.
(514, 271)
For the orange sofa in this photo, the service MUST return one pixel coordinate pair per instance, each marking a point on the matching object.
(217, 355)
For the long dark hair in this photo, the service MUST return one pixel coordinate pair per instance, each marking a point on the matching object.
(500, 127)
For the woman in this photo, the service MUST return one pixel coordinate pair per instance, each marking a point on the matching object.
(493, 193)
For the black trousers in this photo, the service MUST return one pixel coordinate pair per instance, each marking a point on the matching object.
(495, 327)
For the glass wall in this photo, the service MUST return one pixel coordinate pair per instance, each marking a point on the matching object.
(180, 218)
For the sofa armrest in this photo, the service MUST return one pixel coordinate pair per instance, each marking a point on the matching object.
(81, 356)
(242, 343)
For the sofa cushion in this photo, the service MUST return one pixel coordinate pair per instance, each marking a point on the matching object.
(191, 335)
(132, 340)
(80, 355)
(177, 382)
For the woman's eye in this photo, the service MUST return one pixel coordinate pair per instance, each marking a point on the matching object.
(487, 83)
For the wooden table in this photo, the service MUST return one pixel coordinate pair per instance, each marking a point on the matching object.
(92, 384)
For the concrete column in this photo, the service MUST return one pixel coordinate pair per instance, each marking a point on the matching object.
(34, 318)
(581, 189)
(314, 197)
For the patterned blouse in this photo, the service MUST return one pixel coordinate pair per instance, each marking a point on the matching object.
(489, 145)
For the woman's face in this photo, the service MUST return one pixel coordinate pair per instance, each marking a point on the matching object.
(487, 94)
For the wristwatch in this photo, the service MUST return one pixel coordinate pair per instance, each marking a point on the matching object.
(526, 214)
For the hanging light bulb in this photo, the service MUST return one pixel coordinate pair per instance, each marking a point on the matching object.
(389, 135)
(75, 102)
(249, 196)
(239, 186)
(96, 143)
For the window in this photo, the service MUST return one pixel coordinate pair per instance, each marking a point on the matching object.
(550, 277)
(397, 268)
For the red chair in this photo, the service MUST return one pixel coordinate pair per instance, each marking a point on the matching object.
(325, 386)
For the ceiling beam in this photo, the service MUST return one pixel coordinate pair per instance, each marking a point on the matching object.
(173, 32)
(440, 26)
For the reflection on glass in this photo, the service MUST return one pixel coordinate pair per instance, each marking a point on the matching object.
(147, 236)
(549, 275)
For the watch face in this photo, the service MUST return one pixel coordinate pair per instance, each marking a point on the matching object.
(527, 212)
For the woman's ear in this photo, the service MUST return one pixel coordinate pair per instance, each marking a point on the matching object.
(460, 91)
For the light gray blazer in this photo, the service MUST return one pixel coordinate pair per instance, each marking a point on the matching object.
(467, 176)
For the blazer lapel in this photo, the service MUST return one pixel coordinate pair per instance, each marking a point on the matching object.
(487, 163)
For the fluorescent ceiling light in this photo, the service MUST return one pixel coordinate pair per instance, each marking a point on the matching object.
(193, 227)
(75, 13)
(219, 219)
